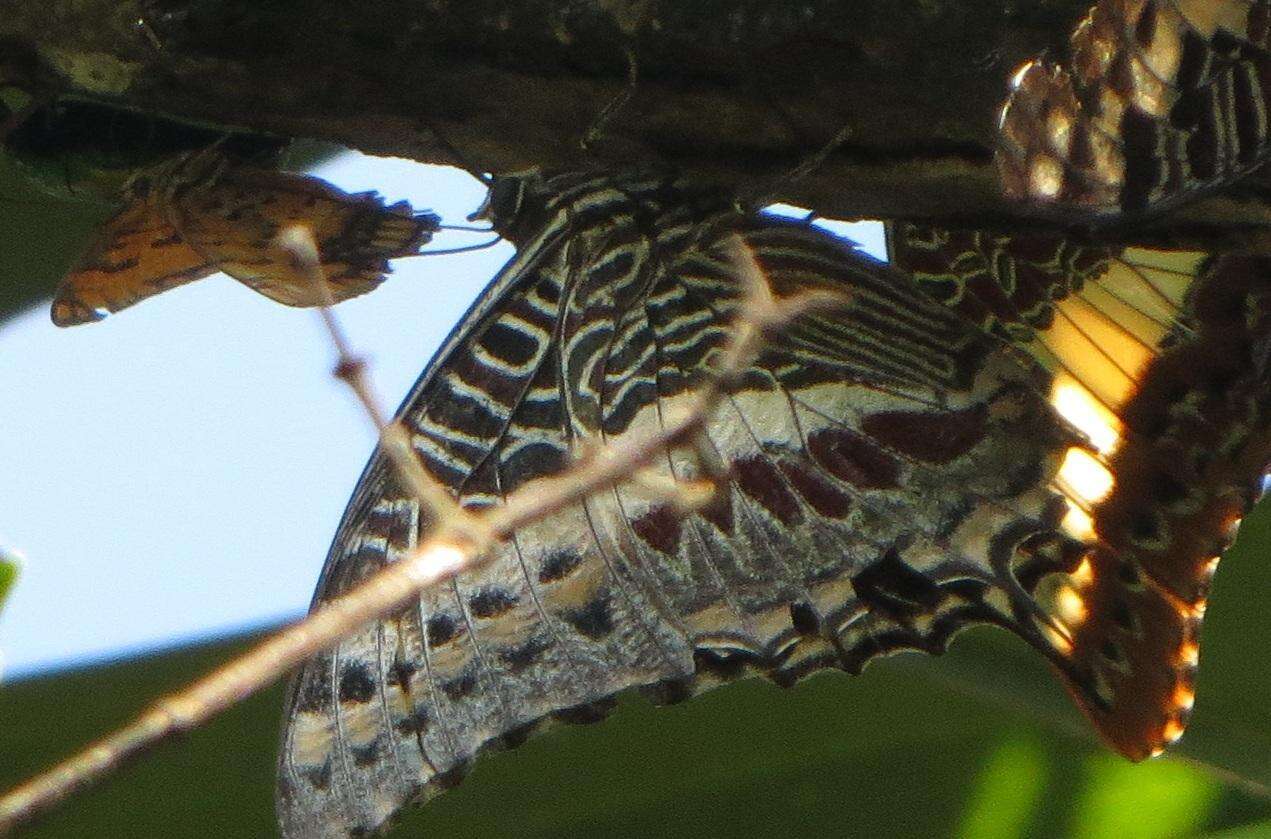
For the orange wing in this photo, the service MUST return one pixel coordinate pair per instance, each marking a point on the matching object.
(233, 221)
(137, 254)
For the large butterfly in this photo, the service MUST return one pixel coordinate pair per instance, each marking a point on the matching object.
(200, 213)
(895, 471)
(1063, 448)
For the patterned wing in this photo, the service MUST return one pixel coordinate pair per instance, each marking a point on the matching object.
(1160, 99)
(890, 480)
(136, 254)
(200, 214)
(233, 218)
(1161, 359)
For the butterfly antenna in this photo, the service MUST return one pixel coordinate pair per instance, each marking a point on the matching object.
(465, 249)
(464, 228)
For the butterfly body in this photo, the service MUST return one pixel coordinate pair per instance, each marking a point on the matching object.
(201, 213)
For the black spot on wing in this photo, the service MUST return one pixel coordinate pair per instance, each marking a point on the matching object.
(461, 686)
(523, 655)
(491, 602)
(595, 620)
(356, 684)
(558, 565)
(894, 588)
(440, 629)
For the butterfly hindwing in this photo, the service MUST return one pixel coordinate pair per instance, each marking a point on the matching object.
(1160, 358)
(889, 480)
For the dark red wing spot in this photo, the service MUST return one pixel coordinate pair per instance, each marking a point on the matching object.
(719, 512)
(660, 528)
(929, 437)
(821, 495)
(763, 482)
(854, 459)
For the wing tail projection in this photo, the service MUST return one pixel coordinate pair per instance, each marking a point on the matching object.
(890, 480)
(1160, 99)
(1160, 359)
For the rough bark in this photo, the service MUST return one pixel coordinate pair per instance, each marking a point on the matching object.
(739, 90)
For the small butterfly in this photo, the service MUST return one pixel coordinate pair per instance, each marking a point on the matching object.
(201, 213)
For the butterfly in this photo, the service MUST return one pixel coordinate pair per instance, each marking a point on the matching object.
(1052, 436)
(201, 213)
(895, 473)
(1159, 357)
(1161, 100)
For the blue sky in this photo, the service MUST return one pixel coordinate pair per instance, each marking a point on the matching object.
(177, 470)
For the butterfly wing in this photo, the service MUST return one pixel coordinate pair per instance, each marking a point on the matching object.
(234, 218)
(1161, 99)
(889, 470)
(1160, 358)
(136, 254)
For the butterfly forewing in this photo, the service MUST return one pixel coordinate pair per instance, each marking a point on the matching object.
(234, 219)
(888, 480)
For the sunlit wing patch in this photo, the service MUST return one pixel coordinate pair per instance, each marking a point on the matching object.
(1188, 467)
(891, 478)
(136, 254)
(1161, 99)
(1158, 358)
(200, 214)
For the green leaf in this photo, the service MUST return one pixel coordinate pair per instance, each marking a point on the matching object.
(9, 566)
(1008, 790)
(1142, 801)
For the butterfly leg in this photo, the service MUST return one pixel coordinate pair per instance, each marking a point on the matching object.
(597, 127)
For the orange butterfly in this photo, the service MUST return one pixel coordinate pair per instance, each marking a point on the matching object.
(201, 213)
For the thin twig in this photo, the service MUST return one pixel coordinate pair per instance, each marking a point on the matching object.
(452, 551)
(351, 369)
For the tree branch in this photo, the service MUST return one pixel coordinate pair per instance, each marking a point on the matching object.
(738, 91)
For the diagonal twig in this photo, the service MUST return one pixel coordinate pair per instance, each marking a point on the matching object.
(460, 545)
